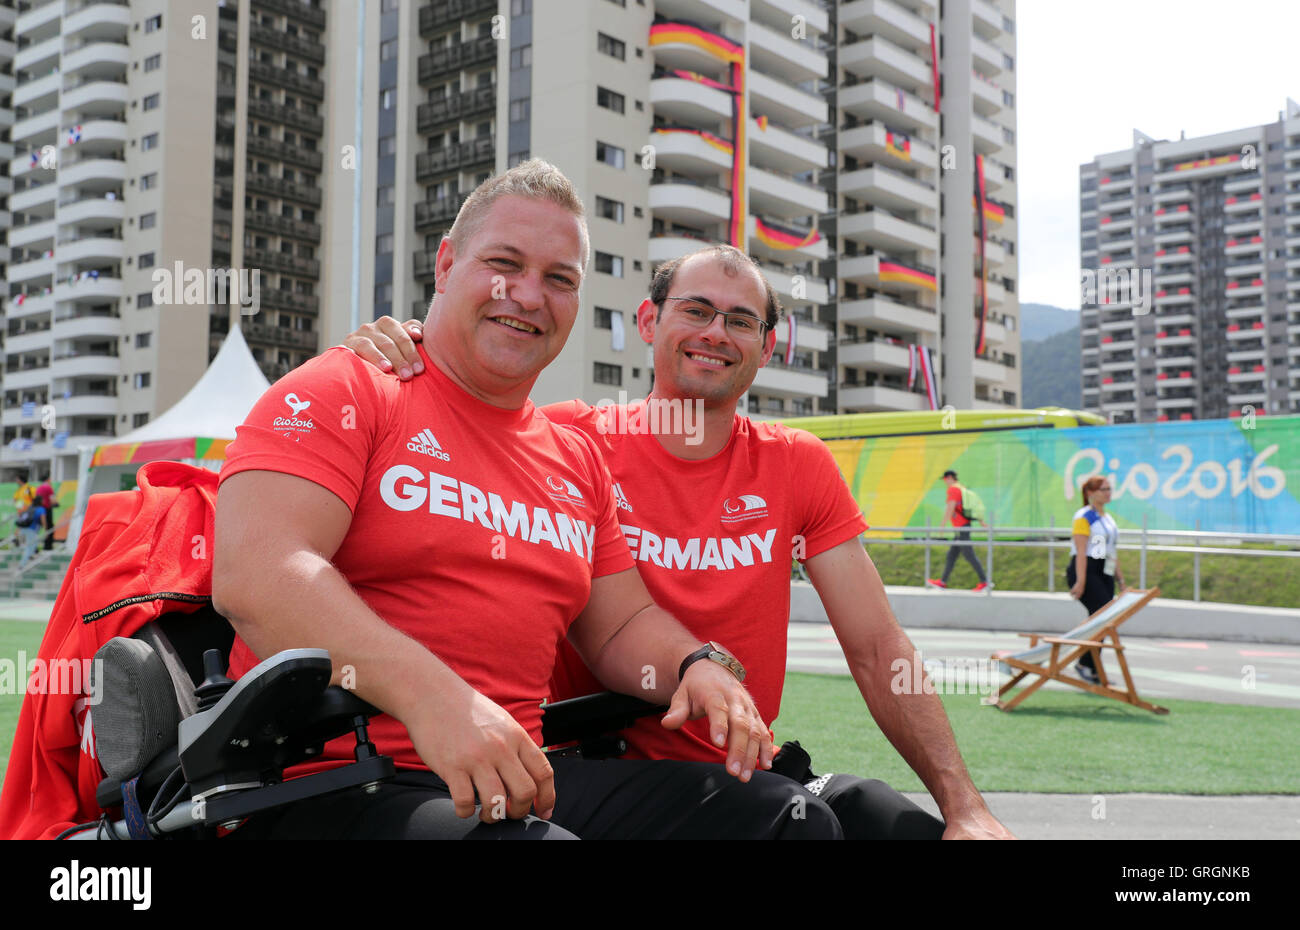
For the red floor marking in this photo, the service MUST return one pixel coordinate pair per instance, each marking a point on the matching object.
(1201, 668)
(1187, 645)
(1262, 652)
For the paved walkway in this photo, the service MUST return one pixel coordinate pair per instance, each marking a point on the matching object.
(1141, 816)
(1257, 674)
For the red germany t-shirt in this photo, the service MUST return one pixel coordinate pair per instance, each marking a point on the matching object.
(713, 540)
(475, 530)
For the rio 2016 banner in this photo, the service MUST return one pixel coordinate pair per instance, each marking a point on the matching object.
(1231, 476)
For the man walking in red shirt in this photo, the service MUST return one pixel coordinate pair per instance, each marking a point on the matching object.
(955, 514)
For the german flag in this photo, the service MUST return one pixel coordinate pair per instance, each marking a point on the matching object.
(992, 212)
(714, 44)
(775, 237)
(722, 145)
(901, 274)
(898, 145)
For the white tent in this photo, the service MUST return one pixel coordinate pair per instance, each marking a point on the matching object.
(194, 430)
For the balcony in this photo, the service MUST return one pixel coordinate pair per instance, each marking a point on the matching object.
(295, 45)
(300, 84)
(297, 9)
(89, 290)
(860, 399)
(278, 187)
(986, 134)
(90, 325)
(281, 261)
(986, 56)
(40, 54)
(281, 151)
(436, 64)
(39, 94)
(31, 233)
(782, 102)
(98, 21)
(280, 299)
(101, 249)
(879, 100)
(877, 57)
(442, 13)
(40, 129)
(812, 290)
(775, 147)
(112, 170)
(888, 315)
(466, 156)
(293, 117)
(282, 225)
(97, 60)
(93, 212)
(689, 203)
(876, 355)
(989, 371)
(888, 188)
(785, 197)
(880, 271)
(807, 336)
(84, 365)
(432, 214)
(96, 98)
(33, 270)
(454, 107)
(689, 152)
(776, 379)
(778, 53)
(876, 142)
(882, 230)
(888, 19)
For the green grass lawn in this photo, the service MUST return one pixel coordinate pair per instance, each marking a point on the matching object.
(1059, 742)
(1056, 742)
(1259, 580)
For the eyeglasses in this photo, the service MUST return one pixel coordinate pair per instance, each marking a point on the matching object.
(739, 325)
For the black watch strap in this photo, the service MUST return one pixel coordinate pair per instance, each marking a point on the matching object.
(716, 653)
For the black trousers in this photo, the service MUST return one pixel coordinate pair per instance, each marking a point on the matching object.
(610, 799)
(1098, 591)
(962, 547)
(867, 808)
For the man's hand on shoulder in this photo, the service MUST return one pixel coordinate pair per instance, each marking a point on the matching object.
(979, 825)
(710, 690)
(389, 345)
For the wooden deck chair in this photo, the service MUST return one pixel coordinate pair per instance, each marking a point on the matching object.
(1049, 657)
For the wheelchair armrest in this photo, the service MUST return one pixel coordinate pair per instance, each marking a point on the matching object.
(592, 715)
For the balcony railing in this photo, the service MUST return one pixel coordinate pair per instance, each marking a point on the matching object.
(462, 156)
(455, 57)
(442, 13)
(455, 107)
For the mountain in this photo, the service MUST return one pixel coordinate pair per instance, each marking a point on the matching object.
(1038, 321)
(1051, 375)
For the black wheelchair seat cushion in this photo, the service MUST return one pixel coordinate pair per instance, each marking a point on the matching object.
(136, 713)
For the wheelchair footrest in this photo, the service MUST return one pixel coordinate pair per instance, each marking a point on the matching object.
(237, 805)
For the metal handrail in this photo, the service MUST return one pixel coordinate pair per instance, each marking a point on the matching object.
(1052, 537)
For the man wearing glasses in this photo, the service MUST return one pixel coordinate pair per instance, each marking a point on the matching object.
(713, 519)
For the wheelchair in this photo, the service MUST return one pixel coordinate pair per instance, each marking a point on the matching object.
(189, 754)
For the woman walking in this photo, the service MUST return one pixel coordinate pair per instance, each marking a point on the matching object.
(1094, 571)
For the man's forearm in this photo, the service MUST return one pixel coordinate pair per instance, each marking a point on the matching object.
(642, 659)
(299, 599)
(914, 722)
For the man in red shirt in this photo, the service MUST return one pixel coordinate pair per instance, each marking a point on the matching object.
(440, 538)
(954, 513)
(713, 516)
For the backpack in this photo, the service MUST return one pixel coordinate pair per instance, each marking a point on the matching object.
(26, 518)
(972, 506)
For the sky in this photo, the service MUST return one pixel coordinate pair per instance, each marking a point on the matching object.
(1089, 73)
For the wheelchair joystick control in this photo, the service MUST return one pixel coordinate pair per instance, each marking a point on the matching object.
(215, 683)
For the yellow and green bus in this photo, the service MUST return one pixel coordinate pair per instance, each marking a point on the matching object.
(921, 423)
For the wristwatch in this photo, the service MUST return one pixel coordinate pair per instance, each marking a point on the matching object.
(715, 653)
